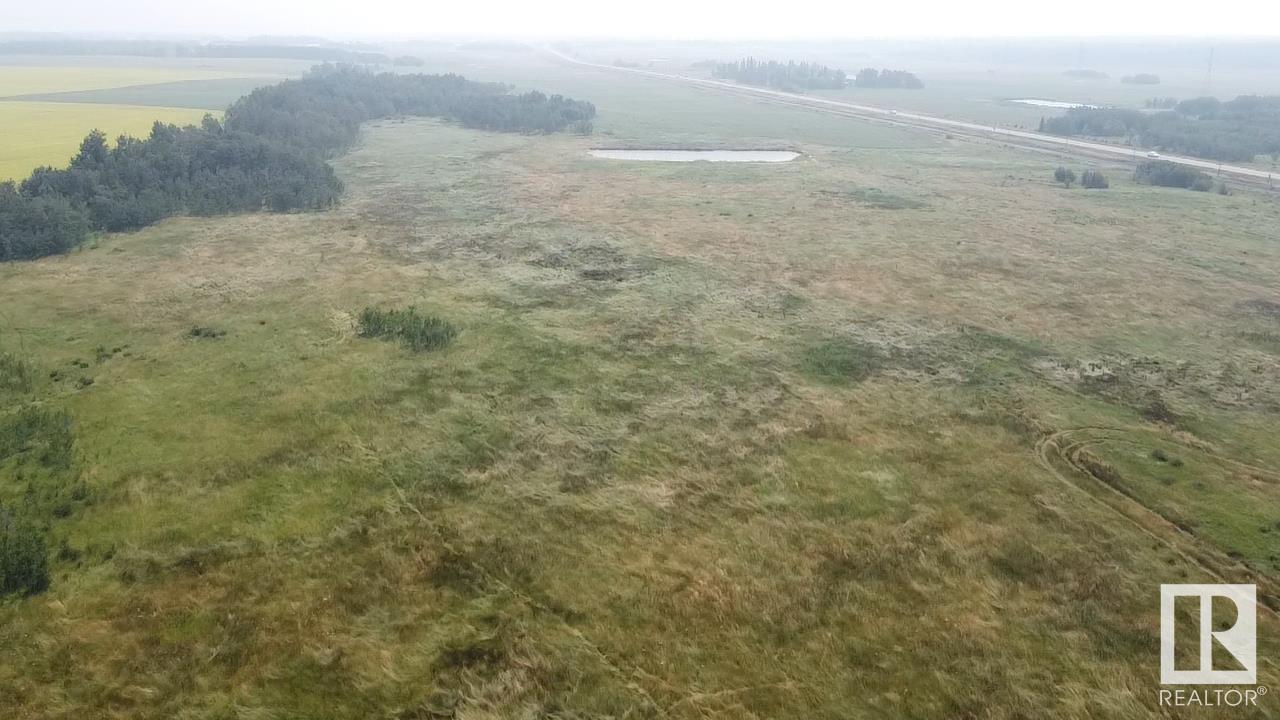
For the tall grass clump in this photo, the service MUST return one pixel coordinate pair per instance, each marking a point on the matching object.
(843, 361)
(24, 558)
(15, 374)
(46, 434)
(414, 330)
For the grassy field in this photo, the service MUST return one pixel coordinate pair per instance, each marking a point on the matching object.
(46, 109)
(27, 80)
(712, 441)
(48, 133)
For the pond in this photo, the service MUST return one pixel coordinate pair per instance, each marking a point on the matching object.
(696, 155)
(1053, 103)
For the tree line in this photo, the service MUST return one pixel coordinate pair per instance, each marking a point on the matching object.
(1233, 131)
(784, 76)
(269, 153)
(872, 78)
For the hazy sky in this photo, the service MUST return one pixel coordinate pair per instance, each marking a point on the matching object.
(649, 18)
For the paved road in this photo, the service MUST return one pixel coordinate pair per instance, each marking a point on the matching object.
(930, 121)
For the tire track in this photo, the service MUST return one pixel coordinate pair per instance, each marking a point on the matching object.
(1062, 454)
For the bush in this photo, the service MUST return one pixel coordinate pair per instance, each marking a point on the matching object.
(1094, 180)
(1064, 176)
(1170, 174)
(24, 560)
(416, 331)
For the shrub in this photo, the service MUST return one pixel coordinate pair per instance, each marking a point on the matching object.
(1170, 174)
(24, 562)
(414, 330)
(1094, 179)
(1064, 176)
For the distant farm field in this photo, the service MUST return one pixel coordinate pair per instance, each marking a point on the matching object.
(48, 133)
(22, 80)
(213, 94)
(45, 111)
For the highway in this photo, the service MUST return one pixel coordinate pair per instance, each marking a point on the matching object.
(932, 122)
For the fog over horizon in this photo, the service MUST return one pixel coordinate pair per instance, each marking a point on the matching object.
(657, 19)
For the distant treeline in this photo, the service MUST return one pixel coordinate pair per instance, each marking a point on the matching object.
(145, 48)
(784, 76)
(872, 78)
(269, 153)
(1234, 131)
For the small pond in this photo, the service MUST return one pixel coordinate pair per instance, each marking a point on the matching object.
(1052, 103)
(696, 155)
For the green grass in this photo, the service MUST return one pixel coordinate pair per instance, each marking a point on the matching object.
(413, 330)
(711, 445)
(16, 374)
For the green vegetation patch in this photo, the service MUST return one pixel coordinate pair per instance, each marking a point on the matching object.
(877, 198)
(1170, 174)
(1233, 131)
(843, 361)
(40, 433)
(15, 374)
(24, 558)
(414, 330)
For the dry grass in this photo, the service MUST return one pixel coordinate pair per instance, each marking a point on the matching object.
(645, 481)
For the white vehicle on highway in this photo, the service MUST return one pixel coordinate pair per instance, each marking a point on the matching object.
(1153, 154)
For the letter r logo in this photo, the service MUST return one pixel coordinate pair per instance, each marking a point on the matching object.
(1241, 639)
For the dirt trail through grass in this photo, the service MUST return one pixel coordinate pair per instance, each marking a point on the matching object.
(1070, 447)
